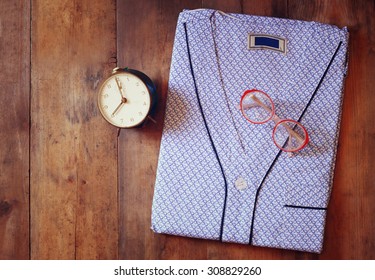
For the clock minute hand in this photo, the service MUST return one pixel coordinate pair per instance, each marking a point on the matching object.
(118, 82)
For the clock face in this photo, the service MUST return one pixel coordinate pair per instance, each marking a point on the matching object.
(124, 100)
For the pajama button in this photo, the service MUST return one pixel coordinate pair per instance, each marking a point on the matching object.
(240, 184)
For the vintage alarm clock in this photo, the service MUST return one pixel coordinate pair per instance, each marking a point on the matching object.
(127, 98)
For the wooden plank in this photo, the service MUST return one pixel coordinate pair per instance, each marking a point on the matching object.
(270, 8)
(229, 6)
(145, 38)
(252, 7)
(14, 128)
(350, 231)
(73, 150)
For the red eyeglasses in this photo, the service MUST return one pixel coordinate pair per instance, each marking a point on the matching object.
(258, 108)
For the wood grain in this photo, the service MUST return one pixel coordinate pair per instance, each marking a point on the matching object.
(73, 150)
(14, 129)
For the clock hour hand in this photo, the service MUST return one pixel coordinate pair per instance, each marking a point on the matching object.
(117, 109)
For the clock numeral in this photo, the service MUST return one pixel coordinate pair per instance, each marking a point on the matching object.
(144, 103)
(140, 114)
(105, 107)
(137, 84)
(105, 95)
(143, 92)
(122, 120)
(127, 78)
(109, 86)
(132, 119)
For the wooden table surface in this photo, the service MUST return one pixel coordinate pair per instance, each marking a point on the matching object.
(73, 187)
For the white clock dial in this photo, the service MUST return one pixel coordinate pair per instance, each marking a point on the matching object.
(124, 100)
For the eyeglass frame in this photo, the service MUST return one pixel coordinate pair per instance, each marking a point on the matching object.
(276, 119)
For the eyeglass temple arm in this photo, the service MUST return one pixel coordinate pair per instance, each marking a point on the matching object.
(274, 117)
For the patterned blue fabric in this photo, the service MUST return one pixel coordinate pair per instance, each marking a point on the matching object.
(208, 147)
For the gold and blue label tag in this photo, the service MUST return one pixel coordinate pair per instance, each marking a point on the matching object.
(265, 41)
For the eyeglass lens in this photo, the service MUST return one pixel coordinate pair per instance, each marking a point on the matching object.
(257, 107)
(289, 135)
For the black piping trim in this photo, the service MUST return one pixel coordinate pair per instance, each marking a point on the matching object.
(209, 134)
(280, 151)
(257, 195)
(320, 82)
(305, 207)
